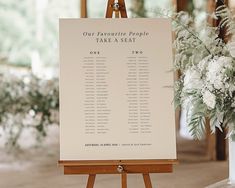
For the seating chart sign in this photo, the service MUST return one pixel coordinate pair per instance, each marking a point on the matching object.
(116, 89)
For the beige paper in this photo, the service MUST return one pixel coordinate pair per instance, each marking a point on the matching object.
(115, 99)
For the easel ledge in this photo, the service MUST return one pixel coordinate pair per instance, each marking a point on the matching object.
(111, 166)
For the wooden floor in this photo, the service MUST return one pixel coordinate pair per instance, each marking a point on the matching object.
(38, 169)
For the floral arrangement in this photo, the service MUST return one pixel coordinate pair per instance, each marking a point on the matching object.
(206, 87)
(27, 102)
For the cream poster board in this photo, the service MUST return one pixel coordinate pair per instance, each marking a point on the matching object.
(115, 99)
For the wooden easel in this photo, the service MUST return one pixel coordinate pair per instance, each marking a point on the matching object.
(122, 167)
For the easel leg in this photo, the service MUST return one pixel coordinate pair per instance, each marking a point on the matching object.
(147, 181)
(83, 9)
(91, 181)
(124, 180)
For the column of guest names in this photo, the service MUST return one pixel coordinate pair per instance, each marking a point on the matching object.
(138, 93)
(96, 94)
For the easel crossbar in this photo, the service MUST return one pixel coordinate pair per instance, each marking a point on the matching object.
(111, 167)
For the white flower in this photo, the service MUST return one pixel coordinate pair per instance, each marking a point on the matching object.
(218, 82)
(202, 64)
(192, 80)
(185, 18)
(216, 71)
(209, 99)
(231, 48)
(231, 90)
(226, 62)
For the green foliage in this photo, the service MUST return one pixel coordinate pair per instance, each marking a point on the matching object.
(227, 19)
(197, 125)
(178, 88)
(196, 117)
(190, 45)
